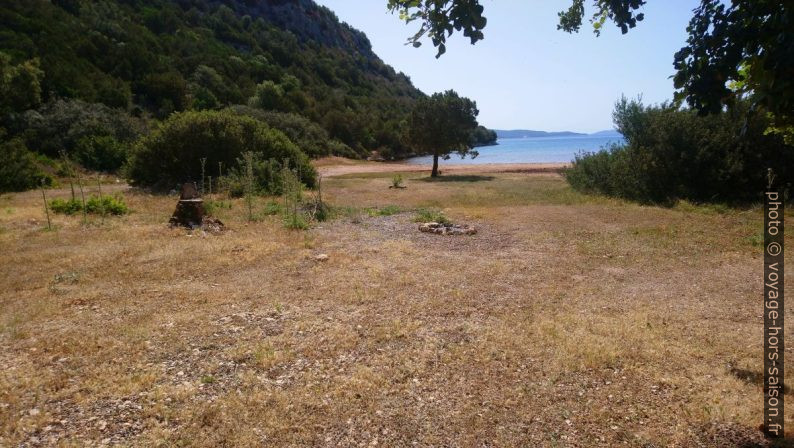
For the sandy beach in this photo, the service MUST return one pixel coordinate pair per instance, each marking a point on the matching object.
(339, 166)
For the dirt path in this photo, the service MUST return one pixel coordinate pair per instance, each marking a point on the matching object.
(337, 166)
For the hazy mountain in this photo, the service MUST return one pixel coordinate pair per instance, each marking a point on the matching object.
(607, 133)
(527, 133)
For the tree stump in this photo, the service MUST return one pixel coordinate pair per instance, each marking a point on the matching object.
(190, 208)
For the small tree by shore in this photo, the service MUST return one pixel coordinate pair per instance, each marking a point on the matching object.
(443, 123)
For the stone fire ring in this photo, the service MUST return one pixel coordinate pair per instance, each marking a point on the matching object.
(446, 229)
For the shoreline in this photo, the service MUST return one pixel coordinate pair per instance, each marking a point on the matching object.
(340, 166)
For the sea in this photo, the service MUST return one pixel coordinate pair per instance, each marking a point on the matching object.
(531, 150)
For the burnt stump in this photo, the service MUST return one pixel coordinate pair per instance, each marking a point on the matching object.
(190, 208)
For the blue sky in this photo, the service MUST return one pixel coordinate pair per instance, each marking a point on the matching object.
(528, 75)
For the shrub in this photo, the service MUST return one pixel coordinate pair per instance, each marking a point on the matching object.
(66, 207)
(672, 154)
(295, 221)
(321, 211)
(213, 206)
(428, 215)
(272, 208)
(100, 152)
(19, 169)
(266, 177)
(171, 155)
(110, 205)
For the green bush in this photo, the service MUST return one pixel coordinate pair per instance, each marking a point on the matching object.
(672, 154)
(100, 152)
(295, 221)
(428, 215)
(267, 177)
(19, 170)
(213, 206)
(321, 211)
(272, 208)
(172, 154)
(109, 205)
(66, 207)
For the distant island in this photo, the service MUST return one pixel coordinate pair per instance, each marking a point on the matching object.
(526, 133)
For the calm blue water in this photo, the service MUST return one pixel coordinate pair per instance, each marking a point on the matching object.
(529, 150)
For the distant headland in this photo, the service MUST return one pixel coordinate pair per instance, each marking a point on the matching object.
(526, 133)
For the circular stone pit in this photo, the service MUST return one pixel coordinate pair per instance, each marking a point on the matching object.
(446, 228)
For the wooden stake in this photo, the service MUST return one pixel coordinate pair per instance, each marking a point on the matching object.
(46, 209)
(101, 202)
(82, 197)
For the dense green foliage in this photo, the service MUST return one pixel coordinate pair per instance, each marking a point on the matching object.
(310, 137)
(19, 169)
(745, 49)
(20, 85)
(171, 155)
(673, 154)
(107, 205)
(266, 174)
(155, 57)
(95, 135)
(482, 136)
(443, 123)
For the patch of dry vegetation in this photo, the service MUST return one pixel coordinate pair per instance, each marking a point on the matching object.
(566, 321)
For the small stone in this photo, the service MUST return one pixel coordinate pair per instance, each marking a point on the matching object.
(34, 412)
(321, 257)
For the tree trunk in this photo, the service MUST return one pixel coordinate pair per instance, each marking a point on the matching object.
(434, 173)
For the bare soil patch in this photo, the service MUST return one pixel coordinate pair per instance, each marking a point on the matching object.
(337, 166)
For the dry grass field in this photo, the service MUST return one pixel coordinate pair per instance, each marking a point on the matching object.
(566, 321)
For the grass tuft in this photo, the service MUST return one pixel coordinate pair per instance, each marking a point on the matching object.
(431, 215)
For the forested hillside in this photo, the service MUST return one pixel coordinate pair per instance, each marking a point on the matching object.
(119, 67)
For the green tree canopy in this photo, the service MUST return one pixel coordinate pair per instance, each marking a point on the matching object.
(748, 45)
(443, 123)
(20, 85)
(172, 154)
